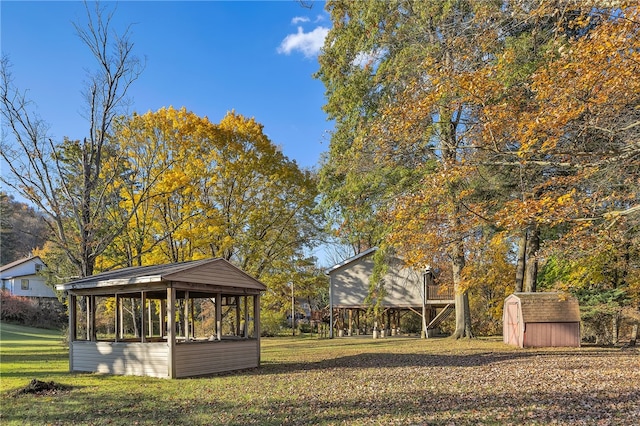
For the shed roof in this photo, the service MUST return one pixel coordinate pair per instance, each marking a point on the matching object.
(548, 307)
(215, 271)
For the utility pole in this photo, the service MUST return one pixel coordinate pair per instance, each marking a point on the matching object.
(293, 312)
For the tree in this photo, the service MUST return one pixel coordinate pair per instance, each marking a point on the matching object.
(594, 129)
(397, 85)
(222, 190)
(68, 180)
(22, 229)
(214, 190)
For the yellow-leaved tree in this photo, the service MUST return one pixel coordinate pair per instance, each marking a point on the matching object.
(215, 190)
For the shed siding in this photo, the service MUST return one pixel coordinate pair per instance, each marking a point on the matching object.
(403, 286)
(138, 359)
(201, 358)
(552, 334)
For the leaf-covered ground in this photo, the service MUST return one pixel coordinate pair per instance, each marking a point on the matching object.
(393, 381)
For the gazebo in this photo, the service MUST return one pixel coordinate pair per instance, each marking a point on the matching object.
(165, 305)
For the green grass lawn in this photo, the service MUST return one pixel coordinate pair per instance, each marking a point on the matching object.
(302, 381)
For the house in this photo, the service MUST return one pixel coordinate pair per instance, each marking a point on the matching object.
(22, 278)
(541, 320)
(405, 290)
(168, 342)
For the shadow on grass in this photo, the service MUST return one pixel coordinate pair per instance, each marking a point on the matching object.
(392, 360)
(443, 406)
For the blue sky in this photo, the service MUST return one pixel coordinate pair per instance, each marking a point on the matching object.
(256, 58)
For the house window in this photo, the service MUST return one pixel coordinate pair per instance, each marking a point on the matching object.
(38, 267)
(24, 284)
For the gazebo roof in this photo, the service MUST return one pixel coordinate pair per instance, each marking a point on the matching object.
(212, 272)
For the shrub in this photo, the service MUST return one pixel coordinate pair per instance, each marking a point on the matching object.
(272, 323)
(41, 313)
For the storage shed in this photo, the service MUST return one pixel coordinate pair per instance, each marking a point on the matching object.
(541, 320)
(159, 301)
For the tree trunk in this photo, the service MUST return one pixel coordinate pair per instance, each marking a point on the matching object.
(520, 266)
(531, 268)
(615, 328)
(463, 314)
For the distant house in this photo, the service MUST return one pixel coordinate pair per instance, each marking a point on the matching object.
(405, 290)
(541, 320)
(21, 278)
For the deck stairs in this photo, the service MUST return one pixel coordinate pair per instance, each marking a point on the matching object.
(442, 315)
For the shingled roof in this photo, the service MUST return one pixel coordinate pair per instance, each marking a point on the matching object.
(214, 271)
(548, 307)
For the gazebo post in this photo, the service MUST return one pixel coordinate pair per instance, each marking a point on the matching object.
(163, 319)
(171, 331)
(149, 320)
(92, 319)
(72, 327)
(245, 331)
(237, 298)
(192, 318)
(186, 316)
(118, 318)
(121, 315)
(218, 316)
(256, 321)
(87, 314)
(143, 320)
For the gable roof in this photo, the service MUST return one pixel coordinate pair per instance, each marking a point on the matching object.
(548, 307)
(216, 271)
(350, 260)
(19, 262)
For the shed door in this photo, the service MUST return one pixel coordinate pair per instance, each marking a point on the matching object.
(512, 327)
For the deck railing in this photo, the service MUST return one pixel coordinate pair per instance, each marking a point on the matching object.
(437, 292)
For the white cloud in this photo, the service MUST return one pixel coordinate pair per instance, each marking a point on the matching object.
(299, 19)
(308, 43)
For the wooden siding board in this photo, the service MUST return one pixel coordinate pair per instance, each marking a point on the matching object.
(141, 359)
(202, 358)
(563, 334)
(146, 359)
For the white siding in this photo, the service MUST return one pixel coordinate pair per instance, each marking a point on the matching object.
(12, 277)
(37, 287)
(200, 358)
(137, 359)
(26, 267)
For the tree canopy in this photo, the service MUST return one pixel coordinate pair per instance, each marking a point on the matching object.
(467, 126)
